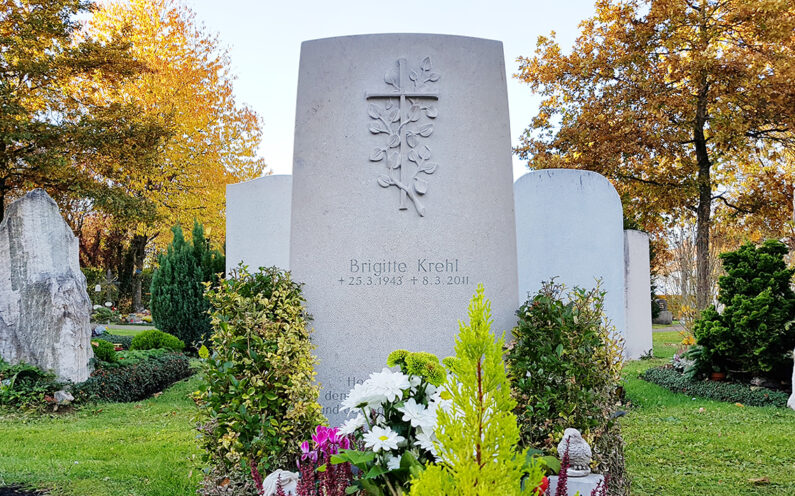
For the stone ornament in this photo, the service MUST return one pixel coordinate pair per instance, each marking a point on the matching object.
(579, 453)
(288, 481)
(400, 119)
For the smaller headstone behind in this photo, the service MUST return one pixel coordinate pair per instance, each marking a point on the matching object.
(637, 294)
(258, 223)
(44, 306)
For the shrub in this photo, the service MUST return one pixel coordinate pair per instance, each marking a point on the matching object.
(750, 335)
(154, 339)
(178, 304)
(104, 350)
(26, 387)
(478, 436)
(565, 367)
(135, 382)
(104, 315)
(259, 399)
(124, 341)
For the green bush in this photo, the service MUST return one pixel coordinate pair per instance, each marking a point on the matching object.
(729, 392)
(127, 358)
(750, 334)
(178, 304)
(154, 339)
(135, 382)
(104, 315)
(104, 350)
(26, 387)
(565, 368)
(124, 341)
(259, 398)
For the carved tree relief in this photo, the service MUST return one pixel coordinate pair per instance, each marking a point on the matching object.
(406, 119)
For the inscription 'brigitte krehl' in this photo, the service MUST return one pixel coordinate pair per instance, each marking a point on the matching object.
(418, 272)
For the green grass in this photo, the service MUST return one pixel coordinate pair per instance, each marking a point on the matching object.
(146, 448)
(124, 332)
(673, 448)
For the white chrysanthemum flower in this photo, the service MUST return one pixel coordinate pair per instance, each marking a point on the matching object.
(392, 462)
(415, 382)
(414, 412)
(431, 390)
(388, 383)
(351, 425)
(363, 395)
(382, 439)
(425, 441)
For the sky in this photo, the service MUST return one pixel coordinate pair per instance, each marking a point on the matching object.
(264, 42)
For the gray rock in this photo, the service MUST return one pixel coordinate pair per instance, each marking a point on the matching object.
(44, 306)
(63, 397)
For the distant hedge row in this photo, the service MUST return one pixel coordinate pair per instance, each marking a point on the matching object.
(722, 391)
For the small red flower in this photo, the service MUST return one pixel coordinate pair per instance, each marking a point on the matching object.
(541, 489)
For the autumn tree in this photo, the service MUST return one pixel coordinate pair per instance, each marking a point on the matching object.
(188, 87)
(688, 106)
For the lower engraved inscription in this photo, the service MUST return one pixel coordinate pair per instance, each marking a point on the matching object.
(422, 271)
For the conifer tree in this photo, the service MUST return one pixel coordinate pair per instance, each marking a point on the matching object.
(178, 303)
(478, 435)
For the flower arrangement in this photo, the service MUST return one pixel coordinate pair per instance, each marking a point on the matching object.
(394, 423)
(317, 475)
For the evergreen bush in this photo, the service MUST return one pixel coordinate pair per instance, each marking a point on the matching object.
(259, 398)
(178, 304)
(154, 339)
(751, 333)
(104, 350)
(565, 367)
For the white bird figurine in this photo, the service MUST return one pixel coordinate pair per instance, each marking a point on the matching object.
(579, 453)
(280, 478)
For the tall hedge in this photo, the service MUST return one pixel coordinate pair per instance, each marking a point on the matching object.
(178, 304)
(751, 333)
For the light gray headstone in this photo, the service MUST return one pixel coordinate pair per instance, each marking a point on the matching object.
(569, 225)
(258, 223)
(44, 306)
(637, 295)
(382, 269)
(791, 400)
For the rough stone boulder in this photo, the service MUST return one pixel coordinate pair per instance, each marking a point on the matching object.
(44, 306)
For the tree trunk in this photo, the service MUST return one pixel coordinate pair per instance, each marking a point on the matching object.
(138, 247)
(704, 206)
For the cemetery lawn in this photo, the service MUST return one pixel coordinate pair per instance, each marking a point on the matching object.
(146, 448)
(673, 449)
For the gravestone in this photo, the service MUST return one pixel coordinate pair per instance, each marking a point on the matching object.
(569, 225)
(44, 306)
(637, 294)
(258, 223)
(402, 198)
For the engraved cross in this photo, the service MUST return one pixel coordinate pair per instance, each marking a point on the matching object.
(402, 93)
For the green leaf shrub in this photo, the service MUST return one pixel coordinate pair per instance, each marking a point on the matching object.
(104, 350)
(478, 435)
(178, 304)
(135, 382)
(259, 398)
(124, 341)
(154, 339)
(104, 315)
(25, 387)
(729, 392)
(565, 368)
(750, 334)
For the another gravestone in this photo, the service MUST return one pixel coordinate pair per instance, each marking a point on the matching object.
(44, 306)
(569, 225)
(665, 316)
(258, 223)
(637, 294)
(402, 198)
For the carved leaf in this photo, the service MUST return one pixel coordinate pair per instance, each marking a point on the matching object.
(425, 153)
(425, 130)
(434, 76)
(426, 64)
(420, 186)
(388, 104)
(374, 111)
(384, 181)
(377, 154)
(414, 113)
(376, 128)
(393, 76)
(394, 115)
(393, 160)
(431, 112)
(413, 76)
(413, 156)
(394, 140)
(411, 139)
(429, 167)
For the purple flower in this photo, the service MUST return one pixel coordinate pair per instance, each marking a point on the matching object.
(306, 453)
